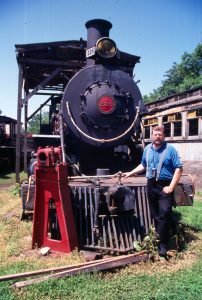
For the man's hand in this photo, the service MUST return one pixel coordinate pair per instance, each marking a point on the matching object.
(167, 189)
(128, 174)
(176, 177)
(139, 169)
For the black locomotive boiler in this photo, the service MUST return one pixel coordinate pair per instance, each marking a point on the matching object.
(102, 105)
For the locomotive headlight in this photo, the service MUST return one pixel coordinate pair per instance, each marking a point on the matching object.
(106, 47)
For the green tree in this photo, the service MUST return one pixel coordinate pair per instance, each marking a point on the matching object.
(183, 76)
(0, 112)
(34, 123)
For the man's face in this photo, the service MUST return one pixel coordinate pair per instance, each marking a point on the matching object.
(158, 137)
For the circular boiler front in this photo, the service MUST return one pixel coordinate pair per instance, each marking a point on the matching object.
(99, 105)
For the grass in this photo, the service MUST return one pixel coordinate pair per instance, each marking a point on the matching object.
(8, 178)
(180, 285)
(178, 278)
(190, 216)
(199, 193)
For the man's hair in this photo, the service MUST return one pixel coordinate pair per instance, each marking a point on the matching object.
(158, 128)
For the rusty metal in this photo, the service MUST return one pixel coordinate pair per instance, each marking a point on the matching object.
(184, 191)
(113, 232)
(102, 227)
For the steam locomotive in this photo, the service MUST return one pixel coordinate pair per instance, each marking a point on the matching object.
(100, 131)
(100, 117)
(102, 106)
(100, 127)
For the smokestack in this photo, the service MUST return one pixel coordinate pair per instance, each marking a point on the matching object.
(97, 29)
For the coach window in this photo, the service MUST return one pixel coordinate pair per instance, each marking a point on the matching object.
(147, 132)
(173, 125)
(199, 114)
(167, 126)
(146, 129)
(148, 125)
(193, 121)
(177, 123)
(8, 130)
(178, 128)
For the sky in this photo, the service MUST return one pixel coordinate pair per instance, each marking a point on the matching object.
(159, 31)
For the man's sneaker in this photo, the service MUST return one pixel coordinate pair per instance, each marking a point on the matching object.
(162, 251)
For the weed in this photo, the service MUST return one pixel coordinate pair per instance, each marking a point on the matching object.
(15, 190)
(149, 243)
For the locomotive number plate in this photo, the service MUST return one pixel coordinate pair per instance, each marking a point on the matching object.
(106, 104)
(90, 52)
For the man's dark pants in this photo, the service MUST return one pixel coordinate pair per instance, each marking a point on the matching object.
(160, 207)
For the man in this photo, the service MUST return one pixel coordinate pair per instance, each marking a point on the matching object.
(164, 169)
(32, 163)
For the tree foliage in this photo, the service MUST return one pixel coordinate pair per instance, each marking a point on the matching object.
(34, 123)
(183, 76)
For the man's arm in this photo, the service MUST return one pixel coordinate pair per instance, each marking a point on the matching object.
(139, 169)
(174, 182)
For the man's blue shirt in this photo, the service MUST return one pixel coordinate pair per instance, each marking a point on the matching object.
(170, 162)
